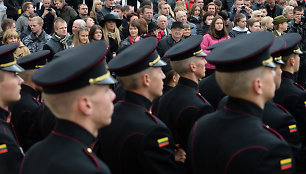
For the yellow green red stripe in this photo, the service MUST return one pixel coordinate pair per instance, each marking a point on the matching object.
(3, 148)
(292, 128)
(286, 163)
(163, 141)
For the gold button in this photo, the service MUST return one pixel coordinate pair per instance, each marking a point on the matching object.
(89, 150)
(267, 126)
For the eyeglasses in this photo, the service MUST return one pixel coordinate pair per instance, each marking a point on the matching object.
(259, 16)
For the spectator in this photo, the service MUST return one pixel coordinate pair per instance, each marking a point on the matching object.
(11, 36)
(134, 34)
(5, 25)
(38, 37)
(95, 33)
(280, 25)
(257, 4)
(164, 9)
(153, 31)
(2, 12)
(283, 3)
(82, 14)
(97, 5)
(195, 15)
(293, 3)
(218, 5)
(65, 12)
(27, 31)
(187, 32)
(89, 22)
(48, 13)
(13, 8)
(118, 10)
(257, 14)
(125, 30)
(267, 24)
(253, 25)
(200, 2)
(207, 18)
(81, 37)
(211, 7)
(288, 13)
(59, 40)
(273, 9)
(22, 21)
(162, 23)
(76, 24)
(263, 10)
(217, 32)
(111, 34)
(240, 26)
(240, 7)
(177, 30)
(127, 9)
(106, 9)
(147, 13)
(227, 22)
(182, 17)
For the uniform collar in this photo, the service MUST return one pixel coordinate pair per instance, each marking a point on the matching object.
(243, 107)
(137, 99)
(188, 83)
(288, 75)
(27, 89)
(73, 131)
(4, 114)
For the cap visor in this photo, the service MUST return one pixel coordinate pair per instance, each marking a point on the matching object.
(107, 81)
(271, 65)
(280, 62)
(299, 52)
(13, 68)
(159, 63)
(201, 54)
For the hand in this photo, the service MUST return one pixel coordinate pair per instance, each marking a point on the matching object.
(179, 154)
(238, 9)
(298, 19)
(249, 11)
(53, 12)
(45, 13)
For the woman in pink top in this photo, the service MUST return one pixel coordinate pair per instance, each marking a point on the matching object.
(217, 32)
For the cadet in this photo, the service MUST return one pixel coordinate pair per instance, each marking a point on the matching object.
(10, 84)
(23, 111)
(291, 95)
(77, 92)
(183, 105)
(234, 139)
(137, 142)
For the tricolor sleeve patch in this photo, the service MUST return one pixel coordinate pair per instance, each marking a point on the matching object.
(286, 163)
(163, 142)
(292, 128)
(3, 148)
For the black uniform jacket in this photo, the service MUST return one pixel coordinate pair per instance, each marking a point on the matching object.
(235, 141)
(136, 141)
(65, 150)
(181, 107)
(23, 113)
(293, 97)
(10, 152)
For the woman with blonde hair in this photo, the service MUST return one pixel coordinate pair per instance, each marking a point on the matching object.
(81, 37)
(257, 14)
(97, 5)
(267, 24)
(110, 26)
(11, 36)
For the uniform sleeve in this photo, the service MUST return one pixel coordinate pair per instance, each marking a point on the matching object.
(157, 152)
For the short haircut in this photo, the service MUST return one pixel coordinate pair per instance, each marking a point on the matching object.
(131, 82)
(79, 6)
(161, 4)
(38, 19)
(119, 7)
(26, 5)
(126, 8)
(182, 66)
(255, 13)
(287, 10)
(238, 17)
(241, 79)
(186, 26)
(81, 21)
(33, 15)
(169, 76)
(8, 34)
(7, 23)
(59, 1)
(146, 7)
(130, 15)
(298, 8)
(218, 2)
(144, 3)
(251, 22)
(57, 21)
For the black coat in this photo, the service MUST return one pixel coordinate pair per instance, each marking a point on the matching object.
(23, 113)
(235, 141)
(292, 96)
(181, 107)
(10, 151)
(132, 143)
(276, 11)
(65, 150)
(165, 44)
(12, 8)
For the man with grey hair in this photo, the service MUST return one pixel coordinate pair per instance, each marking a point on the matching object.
(76, 24)
(182, 17)
(164, 9)
(162, 23)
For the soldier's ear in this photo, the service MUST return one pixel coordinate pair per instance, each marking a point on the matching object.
(257, 86)
(192, 66)
(84, 105)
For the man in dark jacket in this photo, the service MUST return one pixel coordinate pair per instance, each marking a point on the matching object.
(106, 9)
(273, 9)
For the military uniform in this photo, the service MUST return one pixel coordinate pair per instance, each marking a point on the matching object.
(11, 153)
(183, 105)
(136, 141)
(68, 148)
(234, 139)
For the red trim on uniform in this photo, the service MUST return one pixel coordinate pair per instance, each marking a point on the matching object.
(239, 112)
(121, 147)
(273, 131)
(201, 97)
(92, 157)
(281, 107)
(153, 118)
(64, 136)
(38, 103)
(242, 150)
